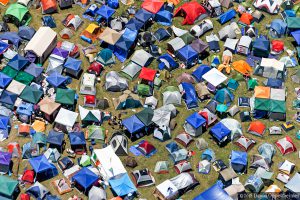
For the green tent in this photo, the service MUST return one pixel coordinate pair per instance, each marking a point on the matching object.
(24, 77)
(145, 116)
(17, 14)
(262, 104)
(106, 57)
(171, 89)
(252, 83)
(293, 22)
(187, 38)
(277, 106)
(31, 94)
(8, 187)
(85, 161)
(9, 71)
(96, 132)
(65, 96)
(143, 90)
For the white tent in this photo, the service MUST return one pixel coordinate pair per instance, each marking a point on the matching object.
(172, 97)
(66, 118)
(234, 126)
(214, 77)
(52, 154)
(183, 180)
(141, 57)
(231, 43)
(294, 184)
(115, 83)
(84, 112)
(278, 94)
(16, 87)
(97, 193)
(166, 190)
(109, 163)
(178, 32)
(42, 43)
(88, 82)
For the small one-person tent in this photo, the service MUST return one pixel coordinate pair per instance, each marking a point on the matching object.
(42, 43)
(17, 14)
(189, 95)
(227, 16)
(286, 145)
(277, 28)
(48, 6)
(43, 168)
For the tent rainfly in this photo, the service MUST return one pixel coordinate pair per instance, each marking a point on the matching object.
(66, 118)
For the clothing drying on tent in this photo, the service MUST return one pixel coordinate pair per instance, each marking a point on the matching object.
(190, 11)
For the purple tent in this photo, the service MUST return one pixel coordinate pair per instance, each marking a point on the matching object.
(60, 52)
(5, 160)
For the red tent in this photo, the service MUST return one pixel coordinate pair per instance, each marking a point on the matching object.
(95, 68)
(257, 128)
(146, 148)
(277, 45)
(147, 74)
(190, 11)
(28, 176)
(90, 99)
(152, 6)
(286, 145)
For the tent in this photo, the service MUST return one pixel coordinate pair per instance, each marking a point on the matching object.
(261, 47)
(133, 124)
(57, 80)
(143, 15)
(146, 148)
(52, 154)
(220, 132)
(66, 118)
(122, 185)
(48, 6)
(214, 77)
(162, 133)
(84, 179)
(109, 36)
(9, 188)
(145, 116)
(8, 98)
(190, 11)
(108, 163)
(242, 67)
(195, 124)
(142, 58)
(56, 140)
(12, 37)
(106, 12)
(286, 145)
(106, 57)
(234, 126)
(134, 24)
(257, 128)
(49, 108)
(244, 143)
(18, 62)
(167, 62)
(37, 190)
(131, 70)
(179, 155)
(161, 167)
(95, 132)
(171, 96)
(115, 83)
(147, 74)
(183, 166)
(73, 67)
(5, 162)
(89, 117)
(97, 193)
(119, 143)
(42, 43)
(143, 178)
(272, 7)
(271, 68)
(127, 100)
(31, 94)
(293, 184)
(200, 71)
(3, 46)
(72, 21)
(227, 16)
(26, 32)
(278, 28)
(224, 96)
(77, 142)
(254, 184)
(188, 56)
(189, 95)
(199, 46)
(123, 46)
(215, 192)
(164, 18)
(246, 19)
(239, 161)
(184, 139)
(65, 96)
(4, 80)
(64, 4)
(43, 168)
(152, 6)
(267, 151)
(17, 14)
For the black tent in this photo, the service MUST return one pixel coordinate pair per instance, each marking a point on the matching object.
(64, 4)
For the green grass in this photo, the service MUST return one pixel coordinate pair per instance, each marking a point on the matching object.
(222, 153)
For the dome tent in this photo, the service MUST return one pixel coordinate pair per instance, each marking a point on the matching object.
(119, 143)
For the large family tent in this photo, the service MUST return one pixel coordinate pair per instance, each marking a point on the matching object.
(110, 164)
(9, 188)
(43, 168)
(17, 14)
(272, 7)
(123, 46)
(133, 125)
(42, 43)
(122, 185)
(215, 192)
(109, 36)
(190, 11)
(66, 118)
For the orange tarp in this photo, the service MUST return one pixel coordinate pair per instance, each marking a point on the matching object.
(262, 92)
(242, 67)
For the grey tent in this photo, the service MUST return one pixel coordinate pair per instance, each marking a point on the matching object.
(179, 155)
(97, 193)
(64, 4)
(172, 97)
(243, 47)
(162, 133)
(185, 77)
(201, 144)
(199, 45)
(175, 44)
(52, 154)
(66, 33)
(226, 32)
(259, 161)
(294, 184)
(119, 143)
(142, 58)
(115, 83)
(230, 44)
(267, 151)
(143, 178)
(161, 117)
(226, 3)
(184, 182)
(131, 70)
(205, 26)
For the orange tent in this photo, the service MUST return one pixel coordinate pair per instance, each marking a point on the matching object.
(262, 92)
(4, 2)
(242, 67)
(257, 128)
(48, 6)
(152, 6)
(246, 18)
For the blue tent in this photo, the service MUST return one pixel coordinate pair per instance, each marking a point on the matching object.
(124, 44)
(25, 109)
(91, 11)
(122, 185)
(143, 15)
(215, 192)
(161, 34)
(85, 178)
(12, 37)
(220, 132)
(4, 80)
(239, 161)
(73, 64)
(187, 55)
(274, 83)
(167, 62)
(56, 79)
(3, 47)
(277, 28)
(113, 4)
(227, 16)
(190, 95)
(134, 24)
(172, 147)
(105, 12)
(195, 120)
(43, 168)
(4, 123)
(200, 71)
(26, 32)
(164, 18)
(296, 36)
(8, 98)
(133, 124)
(55, 138)
(77, 138)
(261, 47)
(18, 62)
(34, 70)
(208, 154)
(224, 96)
(49, 21)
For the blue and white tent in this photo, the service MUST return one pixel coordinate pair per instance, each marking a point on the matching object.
(122, 185)
(220, 132)
(189, 95)
(200, 71)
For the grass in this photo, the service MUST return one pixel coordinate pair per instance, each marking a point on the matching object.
(222, 153)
